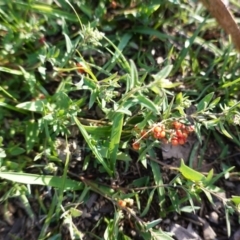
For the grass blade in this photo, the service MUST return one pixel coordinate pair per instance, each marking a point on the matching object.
(91, 146)
(52, 181)
(115, 138)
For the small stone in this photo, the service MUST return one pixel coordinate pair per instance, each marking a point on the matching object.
(213, 217)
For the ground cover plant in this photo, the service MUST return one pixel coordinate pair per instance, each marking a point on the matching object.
(119, 120)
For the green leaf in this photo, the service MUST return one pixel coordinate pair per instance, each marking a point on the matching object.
(153, 223)
(91, 146)
(12, 71)
(2, 153)
(75, 212)
(35, 106)
(27, 207)
(218, 176)
(7, 93)
(214, 102)
(120, 155)
(191, 174)
(147, 103)
(48, 10)
(30, 79)
(174, 198)
(208, 195)
(93, 98)
(122, 44)
(152, 32)
(160, 80)
(159, 234)
(209, 176)
(223, 130)
(133, 80)
(164, 73)
(118, 55)
(32, 131)
(179, 98)
(228, 222)
(189, 209)
(235, 199)
(8, 106)
(15, 150)
(158, 179)
(11, 165)
(230, 83)
(149, 201)
(115, 138)
(69, 45)
(202, 105)
(99, 131)
(51, 181)
(211, 123)
(62, 100)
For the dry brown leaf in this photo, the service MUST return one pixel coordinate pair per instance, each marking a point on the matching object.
(180, 151)
(225, 19)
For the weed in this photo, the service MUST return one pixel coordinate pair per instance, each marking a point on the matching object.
(90, 93)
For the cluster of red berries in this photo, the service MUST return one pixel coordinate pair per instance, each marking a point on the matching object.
(181, 132)
(175, 133)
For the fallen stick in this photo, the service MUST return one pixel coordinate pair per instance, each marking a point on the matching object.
(225, 19)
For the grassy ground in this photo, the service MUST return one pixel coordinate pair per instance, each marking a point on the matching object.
(119, 120)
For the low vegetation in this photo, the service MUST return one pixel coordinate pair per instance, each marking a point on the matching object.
(119, 120)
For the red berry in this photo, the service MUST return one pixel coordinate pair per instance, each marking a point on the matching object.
(80, 68)
(122, 203)
(136, 145)
(174, 141)
(144, 134)
(184, 135)
(181, 141)
(155, 135)
(162, 134)
(157, 129)
(158, 133)
(177, 125)
(179, 133)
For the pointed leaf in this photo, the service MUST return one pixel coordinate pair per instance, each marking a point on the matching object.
(91, 146)
(190, 174)
(158, 179)
(153, 223)
(115, 138)
(205, 102)
(53, 181)
(35, 106)
(69, 45)
(147, 103)
(223, 130)
(235, 199)
(209, 176)
(163, 73)
(149, 201)
(133, 82)
(208, 195)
